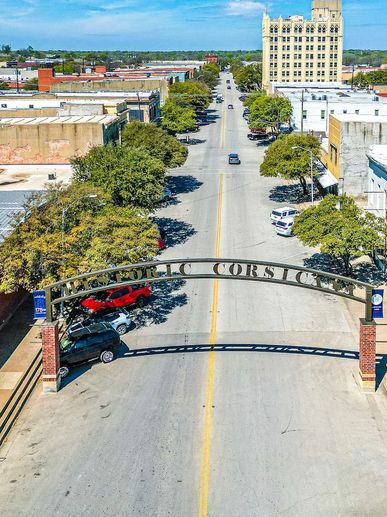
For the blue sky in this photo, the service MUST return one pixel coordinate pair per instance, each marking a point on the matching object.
(170, 24)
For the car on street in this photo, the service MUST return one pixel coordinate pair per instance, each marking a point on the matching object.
(219, 100)
(98, 341)
(258, 130)
(257, 136)
(284, 226)
(228, 87)
(230, 107)
(281, 213)
(203, 122)
(233, 159)
(118, 319)
(117, 297)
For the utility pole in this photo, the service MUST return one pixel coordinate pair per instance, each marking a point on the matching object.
(302, 112)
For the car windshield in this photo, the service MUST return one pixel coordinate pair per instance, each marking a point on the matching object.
(233, 156)
(282, 224)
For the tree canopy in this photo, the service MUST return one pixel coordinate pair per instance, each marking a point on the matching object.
(131, 176)
(249, 76)
(177, 119)
(31, 84)
(344, 232)
(209, 75)
(96, 235)
(284, 161)
(191, 94)
(251, 97)
(270, 112)
(156, 142)
(364, 80)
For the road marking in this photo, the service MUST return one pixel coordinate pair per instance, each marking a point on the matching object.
(207, 428)
(223, 126)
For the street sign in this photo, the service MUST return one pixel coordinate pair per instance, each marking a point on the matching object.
(40, 310)
(377, 303)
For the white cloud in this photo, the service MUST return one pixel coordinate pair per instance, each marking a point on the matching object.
(244, 7)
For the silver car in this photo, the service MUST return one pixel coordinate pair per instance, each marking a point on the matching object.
(118, 319)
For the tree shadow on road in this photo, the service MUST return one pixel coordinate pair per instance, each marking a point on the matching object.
(165, 298)
(176, 231)
(182, 184)
(291, 193)
(364, 271)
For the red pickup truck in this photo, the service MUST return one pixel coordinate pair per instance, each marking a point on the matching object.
(118, 297)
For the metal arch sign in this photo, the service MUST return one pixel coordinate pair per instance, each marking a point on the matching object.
(207, 268)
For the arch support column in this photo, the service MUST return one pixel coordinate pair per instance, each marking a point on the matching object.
(50, 356)
(367, 355)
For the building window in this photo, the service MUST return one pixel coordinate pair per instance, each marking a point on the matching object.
(31, 106)
(332, 112)
(357, 112)
(376, 113)
(3, 105)
(322, 116)
(333, 153)
(304, 114)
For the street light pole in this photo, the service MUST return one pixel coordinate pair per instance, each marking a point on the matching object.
(311, 168)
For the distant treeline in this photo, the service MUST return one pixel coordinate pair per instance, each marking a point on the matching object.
(365, 57)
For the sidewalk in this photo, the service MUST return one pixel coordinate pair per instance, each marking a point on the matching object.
(16, 329)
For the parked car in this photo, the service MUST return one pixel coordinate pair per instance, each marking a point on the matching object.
(281, 213)
(118, 319)
(228, 87)
(228, 81)
(202, 122)
(219, 100)
(98, 341)
(118, 297)
(257, 136)
(233, 159)
(230, 107)
(259, 130)
(284, 226)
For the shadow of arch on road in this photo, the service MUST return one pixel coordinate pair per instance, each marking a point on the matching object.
(381, 360)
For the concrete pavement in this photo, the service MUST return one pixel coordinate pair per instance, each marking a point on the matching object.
(238, 431)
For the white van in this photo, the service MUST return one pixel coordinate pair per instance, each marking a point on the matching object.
(284, 226)
(280, 213)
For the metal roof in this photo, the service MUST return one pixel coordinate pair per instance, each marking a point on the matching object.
(81, 119)
(11, 202)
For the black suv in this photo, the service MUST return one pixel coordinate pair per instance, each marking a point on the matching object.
(95, 341)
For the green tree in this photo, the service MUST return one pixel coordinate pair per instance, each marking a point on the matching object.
(249, 76)
(209, 75)
(236, 64)
(6, 49)
(31, 84)
(270, 112)
(344, 232)
(190, 94)
(96, 235)
(251, 97)
(156, 142)
(282, 160)
(131, 176)
(64, 68)
(176, 119)
(4, 86)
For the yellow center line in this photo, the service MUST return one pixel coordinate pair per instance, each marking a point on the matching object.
(206, 448)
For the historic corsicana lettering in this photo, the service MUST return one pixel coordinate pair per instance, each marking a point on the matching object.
(206, 268)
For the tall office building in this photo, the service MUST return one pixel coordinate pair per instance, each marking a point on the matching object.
(299, 50)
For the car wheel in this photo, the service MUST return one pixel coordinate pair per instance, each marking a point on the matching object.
(64, 371)
(141, 301)
(107, 356)
(122, 329)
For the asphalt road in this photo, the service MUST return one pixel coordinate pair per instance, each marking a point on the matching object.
(253, 428)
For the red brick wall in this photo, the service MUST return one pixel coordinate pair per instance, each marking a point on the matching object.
(367, 359)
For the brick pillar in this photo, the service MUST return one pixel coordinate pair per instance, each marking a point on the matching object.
(367, 355)
(50, 353)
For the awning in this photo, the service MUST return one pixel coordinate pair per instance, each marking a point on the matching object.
(326, 179)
